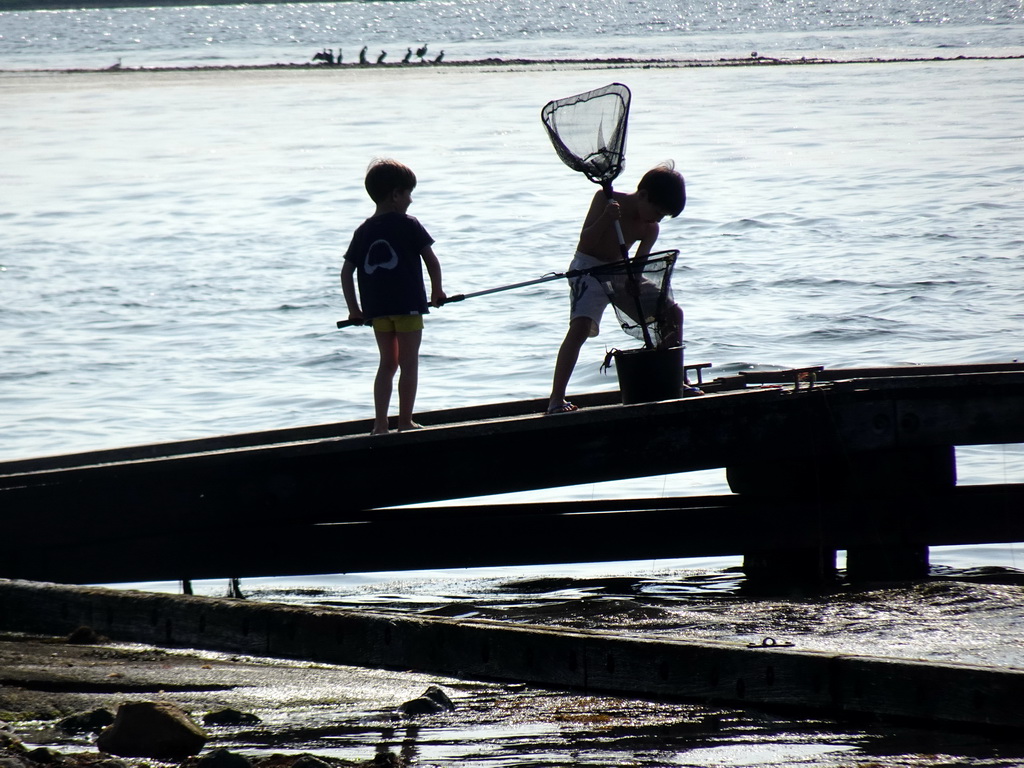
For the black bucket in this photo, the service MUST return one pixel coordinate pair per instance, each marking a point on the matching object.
(647, 375)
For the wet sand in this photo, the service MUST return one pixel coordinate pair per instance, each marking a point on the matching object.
(51, 677)
(44, 679)
(344, 715)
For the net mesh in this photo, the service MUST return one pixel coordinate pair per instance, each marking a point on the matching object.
(588, 131)
(644, 288)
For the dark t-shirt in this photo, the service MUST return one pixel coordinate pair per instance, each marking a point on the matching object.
(385, 251)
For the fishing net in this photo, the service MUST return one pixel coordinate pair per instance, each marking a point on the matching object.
(589, 131)
(641, 293)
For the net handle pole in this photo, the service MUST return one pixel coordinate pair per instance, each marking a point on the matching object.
(610, 194)
(633, 282)
(487, 291)
(525, 283)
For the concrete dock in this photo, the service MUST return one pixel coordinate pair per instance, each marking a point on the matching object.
(769, 674)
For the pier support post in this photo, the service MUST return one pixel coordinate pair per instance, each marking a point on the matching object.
(885, 551)
(897, 562)
(783, 570)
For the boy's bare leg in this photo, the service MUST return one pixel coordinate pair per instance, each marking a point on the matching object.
(408, 379)
(672, 330)
(565, 363)
(387, 344)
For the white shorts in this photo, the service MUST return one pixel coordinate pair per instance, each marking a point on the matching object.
(587, 297)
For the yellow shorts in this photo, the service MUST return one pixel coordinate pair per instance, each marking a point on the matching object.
(398, 323)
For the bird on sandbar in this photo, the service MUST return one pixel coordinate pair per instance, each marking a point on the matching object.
(421, 52)
(439, 57)
(362, 55)
(408, 55)
(380, 59)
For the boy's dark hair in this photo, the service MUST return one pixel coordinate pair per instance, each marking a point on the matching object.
(665, 188)
(385, 176)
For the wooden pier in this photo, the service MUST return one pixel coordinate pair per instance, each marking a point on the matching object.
(819, 460)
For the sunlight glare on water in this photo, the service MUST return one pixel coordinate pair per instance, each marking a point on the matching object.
(482, 29)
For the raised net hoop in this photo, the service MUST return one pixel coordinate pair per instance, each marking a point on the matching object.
(588, 131)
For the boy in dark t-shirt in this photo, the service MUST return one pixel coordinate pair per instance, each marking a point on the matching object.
(388, 252)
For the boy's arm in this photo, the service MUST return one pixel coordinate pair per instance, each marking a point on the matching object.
(437, 295)
(348, 288)
(596, 238)
(643, 250)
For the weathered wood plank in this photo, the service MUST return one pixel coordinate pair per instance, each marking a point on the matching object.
(882, 376)
(525, 534)
(331, 479)
(881, 372)
(587, 660)
(301, 434)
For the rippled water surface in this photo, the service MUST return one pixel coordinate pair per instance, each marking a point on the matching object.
(170, 264)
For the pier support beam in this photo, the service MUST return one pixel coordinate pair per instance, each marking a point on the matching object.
(901, 474)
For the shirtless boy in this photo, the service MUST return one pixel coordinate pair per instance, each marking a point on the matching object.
(660, 193)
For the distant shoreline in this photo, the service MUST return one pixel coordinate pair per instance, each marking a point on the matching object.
(65, 5)
(507, 64)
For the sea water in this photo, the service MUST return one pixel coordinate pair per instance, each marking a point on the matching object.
(172, 240)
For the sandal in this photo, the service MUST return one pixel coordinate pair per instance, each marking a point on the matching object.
(565, 407)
